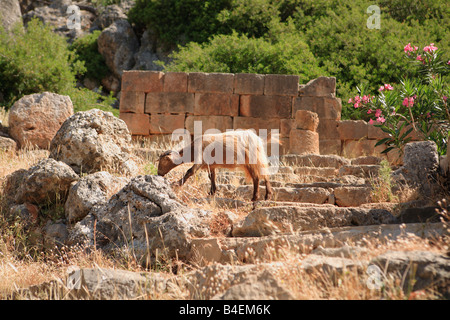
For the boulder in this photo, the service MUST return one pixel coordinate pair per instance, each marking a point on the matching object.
(230, 282)
(93, 189)
(118, 44)
(108, 16)
(421, 163)
(7, 144)
(10, 14)
(46, 182)
(34, 119)
(419, 269)
(94, 141)
(27, 213)
(146, 216)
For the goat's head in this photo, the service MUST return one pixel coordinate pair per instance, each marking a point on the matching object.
(167, 162)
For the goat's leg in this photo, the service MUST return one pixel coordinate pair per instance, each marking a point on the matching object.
(269, 191)
(212, 177)
(255, 189)
(188, 174)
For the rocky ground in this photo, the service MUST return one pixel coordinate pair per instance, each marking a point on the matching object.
(336, 228)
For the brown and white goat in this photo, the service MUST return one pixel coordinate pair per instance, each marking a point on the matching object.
(232, 149)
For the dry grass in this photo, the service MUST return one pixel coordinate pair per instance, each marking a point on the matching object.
(22, 266)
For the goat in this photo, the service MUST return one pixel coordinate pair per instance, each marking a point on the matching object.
(245, 146)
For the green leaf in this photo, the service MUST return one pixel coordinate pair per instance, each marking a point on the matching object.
(382, 141)
(387, 150)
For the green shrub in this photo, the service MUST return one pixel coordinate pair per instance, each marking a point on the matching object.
(86, 49)
(288, 54)
(35, 60)
(179, 21)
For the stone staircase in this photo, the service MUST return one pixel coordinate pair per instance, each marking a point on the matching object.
(319, 200)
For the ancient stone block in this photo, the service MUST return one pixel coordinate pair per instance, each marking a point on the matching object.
(352, 129)
(132, 101)
(255, 123)
(358, 148)
(169, 102)
(286, 125)
(145, 81)
(277, 84)
(175, 82)
(306, 120)
(210, 82)
(320, 87)
(166, 123)
(375, 132)
(249, 83)
(325, 107)
(216, 104)
(330, 146)
(221, 123)
(265, 106)
(327, 129)
(138, 124)
(304, 142)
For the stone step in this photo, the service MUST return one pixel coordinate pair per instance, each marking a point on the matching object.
(360, 170)
(287, 219)
(319, 193)
(314, 160)
(249, 249)
(317, 171)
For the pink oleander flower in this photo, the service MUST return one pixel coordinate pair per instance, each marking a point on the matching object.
(388, 87)
(448, 62)
(371, 121)
(408, 102)
(350, 100)
(369, 111)
(430, 49)
(381, 88)
(365, 99)
(356, 105)
(378, 113)
(381, 120)
(408, 49)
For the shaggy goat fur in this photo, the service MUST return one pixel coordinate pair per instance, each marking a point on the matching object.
(233, 149)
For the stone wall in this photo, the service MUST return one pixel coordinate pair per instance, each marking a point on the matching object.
(154, 104)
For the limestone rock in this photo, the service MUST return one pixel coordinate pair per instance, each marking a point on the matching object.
(420, 269)
(118, 44)
(146, 216)
(90, 190)
(10, 14)
(94, 141)
(48, 180)
(35, 119)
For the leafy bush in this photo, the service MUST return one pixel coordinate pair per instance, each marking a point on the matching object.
(179, 21)
(35, 60)
(418, 104)
(86, 49)
(288, 54)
